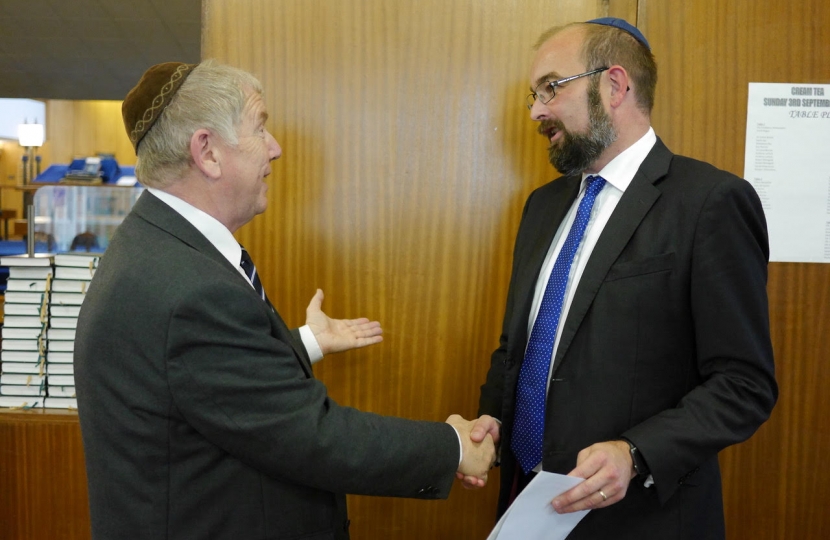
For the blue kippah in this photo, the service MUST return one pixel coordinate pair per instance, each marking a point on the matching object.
(623, 25)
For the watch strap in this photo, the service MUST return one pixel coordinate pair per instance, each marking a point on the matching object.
(640, 466)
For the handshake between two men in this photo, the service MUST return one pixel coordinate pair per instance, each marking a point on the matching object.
(478, 440)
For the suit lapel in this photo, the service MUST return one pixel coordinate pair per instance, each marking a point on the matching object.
(629, 213)
(154, 211)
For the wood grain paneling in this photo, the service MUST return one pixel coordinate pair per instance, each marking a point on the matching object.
(407, 156)
(622, 9)
(43, 493)
(776, 485)
(85, 128)
(11, 171)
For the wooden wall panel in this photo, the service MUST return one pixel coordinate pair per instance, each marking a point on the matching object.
(623, 9)
(11, 170)
(776, 485)
(85, 128)
(43, 492)
(408, 154)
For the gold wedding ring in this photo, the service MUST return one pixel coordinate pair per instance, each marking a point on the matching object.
(604, 496)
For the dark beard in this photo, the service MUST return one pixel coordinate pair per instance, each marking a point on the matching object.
(575, 152)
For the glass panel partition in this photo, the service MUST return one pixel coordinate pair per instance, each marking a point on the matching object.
(80, 218)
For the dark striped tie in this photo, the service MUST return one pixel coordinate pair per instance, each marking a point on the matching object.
(250, 270)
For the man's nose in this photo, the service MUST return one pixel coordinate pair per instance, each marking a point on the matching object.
(274, 149)
(539, 111)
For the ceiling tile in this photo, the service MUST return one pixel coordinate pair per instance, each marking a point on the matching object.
(180, 9)
(17, 27)
(91, 49)
(27, 9)
(121, 9)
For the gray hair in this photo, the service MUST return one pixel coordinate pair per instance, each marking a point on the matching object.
(213, 97)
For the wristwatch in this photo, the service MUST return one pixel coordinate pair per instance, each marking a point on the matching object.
(640, 466)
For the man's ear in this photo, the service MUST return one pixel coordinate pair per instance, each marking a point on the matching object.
(620, 84)
(205, 153)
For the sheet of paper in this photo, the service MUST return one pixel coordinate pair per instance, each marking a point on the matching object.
(126, 181)
(531, 515)
(787, 134)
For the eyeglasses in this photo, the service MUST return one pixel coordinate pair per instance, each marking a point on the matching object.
(546, 91)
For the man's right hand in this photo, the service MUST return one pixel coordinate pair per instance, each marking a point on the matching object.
(478, 457)
(485, 426)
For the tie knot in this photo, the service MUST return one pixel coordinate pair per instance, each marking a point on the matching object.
(594, 184)
(250, 270)
(247, 263)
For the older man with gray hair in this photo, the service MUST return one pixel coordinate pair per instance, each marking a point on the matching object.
(200, 414)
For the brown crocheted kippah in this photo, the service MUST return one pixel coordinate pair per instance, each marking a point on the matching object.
(153, 93)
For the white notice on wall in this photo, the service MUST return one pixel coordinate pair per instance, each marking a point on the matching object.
(788, 162)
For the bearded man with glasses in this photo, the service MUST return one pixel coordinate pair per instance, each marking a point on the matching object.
(636, 342)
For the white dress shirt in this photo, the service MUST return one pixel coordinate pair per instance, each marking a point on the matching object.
(618, 175)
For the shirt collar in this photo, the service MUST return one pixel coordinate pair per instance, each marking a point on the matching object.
(620, 171)
(216, 233)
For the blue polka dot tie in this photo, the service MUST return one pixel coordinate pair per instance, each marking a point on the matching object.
(247, 265)
(533, 375)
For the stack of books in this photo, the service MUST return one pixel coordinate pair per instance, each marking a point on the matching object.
(41, 315)
(25, 324)
(73, 272)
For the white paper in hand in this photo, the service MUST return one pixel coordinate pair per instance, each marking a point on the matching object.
(531, 515)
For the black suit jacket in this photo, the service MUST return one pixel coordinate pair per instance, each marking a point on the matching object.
(666, 342)
(199, 413)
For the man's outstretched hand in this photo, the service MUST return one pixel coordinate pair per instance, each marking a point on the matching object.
(337, 335)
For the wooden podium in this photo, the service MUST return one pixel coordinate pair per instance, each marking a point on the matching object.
(43, 491)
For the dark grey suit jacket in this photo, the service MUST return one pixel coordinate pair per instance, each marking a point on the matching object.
(666, 342)
(199, 412)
